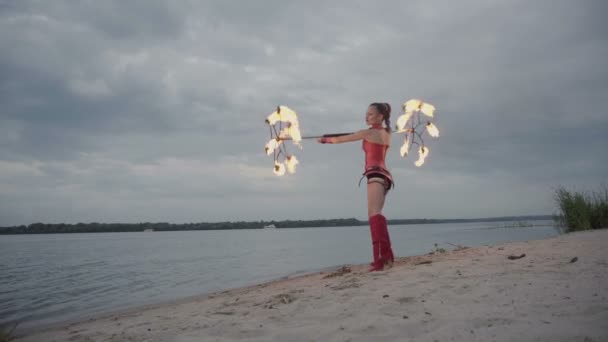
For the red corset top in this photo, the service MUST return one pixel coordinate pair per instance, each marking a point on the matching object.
(374, 154)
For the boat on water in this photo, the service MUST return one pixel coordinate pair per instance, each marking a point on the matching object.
(270, 226)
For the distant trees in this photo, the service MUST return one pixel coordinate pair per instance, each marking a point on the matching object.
(94, 227)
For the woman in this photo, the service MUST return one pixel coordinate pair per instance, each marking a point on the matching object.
(376, 141)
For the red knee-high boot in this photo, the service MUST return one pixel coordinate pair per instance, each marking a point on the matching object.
(388, 252)
(373, 226)
(381, 245)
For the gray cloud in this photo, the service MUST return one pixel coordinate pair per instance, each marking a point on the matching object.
(153, 111)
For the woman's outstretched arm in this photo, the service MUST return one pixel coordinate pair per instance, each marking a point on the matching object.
(360, 135)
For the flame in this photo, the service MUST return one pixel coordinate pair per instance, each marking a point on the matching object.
(272, 145)
(283, 113)
(412, 105)
(292, 131)
(292, 161)
(423, 152)
(279, 169)
(273, 118)
(406, 147)
(427, 109)
(417, 105)
(433, 131)
(288, 115)
(402, 120)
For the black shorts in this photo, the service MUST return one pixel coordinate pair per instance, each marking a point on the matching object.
(380, 175)
(377, 175)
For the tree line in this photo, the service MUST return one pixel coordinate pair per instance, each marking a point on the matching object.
(94, 227)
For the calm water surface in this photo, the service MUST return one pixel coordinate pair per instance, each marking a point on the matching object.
(46, 279)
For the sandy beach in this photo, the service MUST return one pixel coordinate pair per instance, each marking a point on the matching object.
(543, 290)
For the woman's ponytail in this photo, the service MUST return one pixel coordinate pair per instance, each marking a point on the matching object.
(387, 117)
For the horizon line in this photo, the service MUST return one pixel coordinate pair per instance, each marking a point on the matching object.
(275, 220)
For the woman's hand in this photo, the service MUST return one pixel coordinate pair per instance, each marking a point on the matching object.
(324, 140)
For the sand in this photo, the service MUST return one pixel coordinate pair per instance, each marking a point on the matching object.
(558, 291)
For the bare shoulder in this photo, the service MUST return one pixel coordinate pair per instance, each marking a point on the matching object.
(379, 136)
(386, 136)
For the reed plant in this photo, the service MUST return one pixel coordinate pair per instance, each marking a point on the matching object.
(581, 210)
(6, 334)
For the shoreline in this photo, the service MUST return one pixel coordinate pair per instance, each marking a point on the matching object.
(156, 305)
(418, 293)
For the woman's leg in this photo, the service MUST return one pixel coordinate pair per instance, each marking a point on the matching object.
(375, 198)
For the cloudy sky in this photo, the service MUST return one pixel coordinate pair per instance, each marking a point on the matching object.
(141, 110)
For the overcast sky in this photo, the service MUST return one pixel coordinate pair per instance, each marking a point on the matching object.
(141, 110)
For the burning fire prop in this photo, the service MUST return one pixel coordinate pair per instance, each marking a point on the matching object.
(414, 128)
(283, 161)
(415, 122)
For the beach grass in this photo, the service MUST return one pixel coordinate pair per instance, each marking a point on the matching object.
(581, 210)
(6, 335)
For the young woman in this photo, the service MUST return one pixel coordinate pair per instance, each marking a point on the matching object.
(376, 141)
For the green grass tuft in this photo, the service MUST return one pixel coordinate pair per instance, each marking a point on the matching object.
(581, 211)
(6, 335)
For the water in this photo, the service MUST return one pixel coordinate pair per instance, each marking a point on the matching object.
(46, 279)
